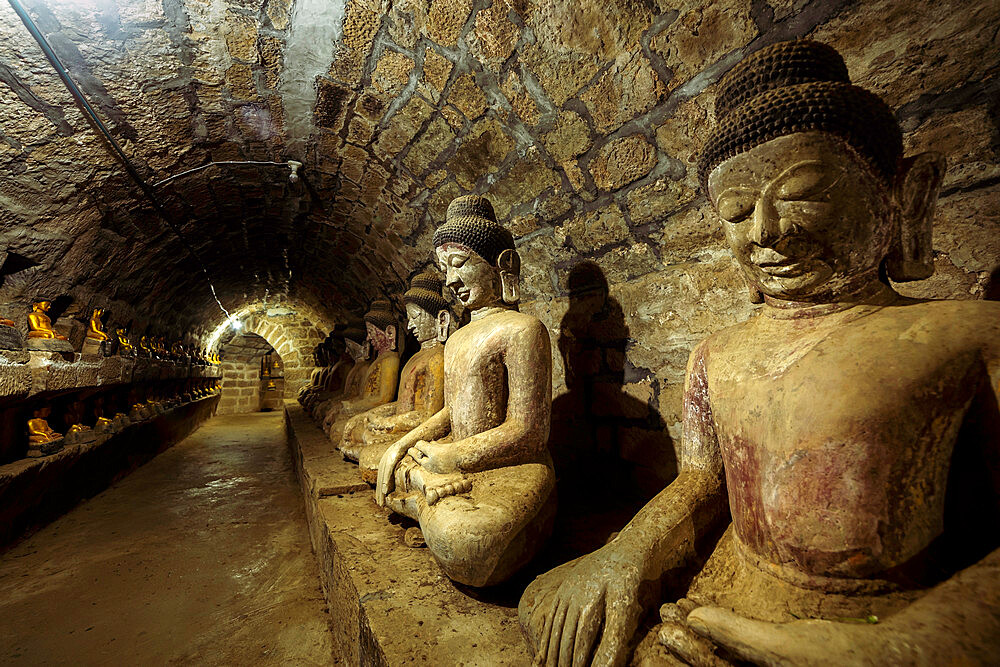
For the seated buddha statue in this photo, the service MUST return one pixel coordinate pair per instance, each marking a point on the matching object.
(381, 380)
(125, 347)
(95, 331)
(77, 432)
(352, 368)
(39, 431)
(320, 363)
(421, 384)
(39, 324)
(844, 441)
(477, 476)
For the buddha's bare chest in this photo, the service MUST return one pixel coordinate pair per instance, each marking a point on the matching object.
(475, 377)
(837, 449)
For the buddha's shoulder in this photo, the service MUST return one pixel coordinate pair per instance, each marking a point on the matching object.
(968, 320)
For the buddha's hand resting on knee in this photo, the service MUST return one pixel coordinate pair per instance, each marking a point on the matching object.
(587, 607)
(807, 642)
(440, 458)
(386, 481)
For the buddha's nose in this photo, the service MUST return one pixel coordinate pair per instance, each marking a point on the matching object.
(765, 224)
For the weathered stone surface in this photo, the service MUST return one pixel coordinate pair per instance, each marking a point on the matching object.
(622, 161)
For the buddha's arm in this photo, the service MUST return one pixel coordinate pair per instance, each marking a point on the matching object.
(438, 426)
(524, 433)
(589, 609)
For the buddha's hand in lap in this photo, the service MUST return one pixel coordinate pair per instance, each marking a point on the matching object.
(586, 607)
(440, 458)
(806, 642)
(387, 465)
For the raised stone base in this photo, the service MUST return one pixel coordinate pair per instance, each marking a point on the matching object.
(391, 604)
(46, 449)
(50, 345)
(97, 348)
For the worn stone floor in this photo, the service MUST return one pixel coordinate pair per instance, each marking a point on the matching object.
(201, 556)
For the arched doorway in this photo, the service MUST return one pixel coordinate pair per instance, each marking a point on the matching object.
(252, 375)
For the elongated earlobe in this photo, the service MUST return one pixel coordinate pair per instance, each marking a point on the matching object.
(509, 263)
(443, 325)
(918, 183)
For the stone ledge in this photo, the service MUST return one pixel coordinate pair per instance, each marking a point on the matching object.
(33, 492)
(389, 604)
(26, 373)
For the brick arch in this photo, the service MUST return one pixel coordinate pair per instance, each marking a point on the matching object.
(293, 338)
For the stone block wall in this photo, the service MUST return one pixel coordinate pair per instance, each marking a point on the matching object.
(240, 387)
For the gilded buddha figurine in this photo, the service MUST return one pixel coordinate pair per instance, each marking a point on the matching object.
(39, 324)
(847, 435)
(96, 329)
(41, 335)
(125, 347)
(77, 432)
(382, 378)
(345, 377)
(42, 439)
(477, 476)
(421, 384)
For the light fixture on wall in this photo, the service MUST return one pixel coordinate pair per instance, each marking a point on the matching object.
(235, 324)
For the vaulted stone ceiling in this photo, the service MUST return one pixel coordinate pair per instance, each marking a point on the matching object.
(581, 119)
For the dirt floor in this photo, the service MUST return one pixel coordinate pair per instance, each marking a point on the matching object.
(199, 557)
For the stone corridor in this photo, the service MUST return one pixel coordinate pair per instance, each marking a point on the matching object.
(199, 557)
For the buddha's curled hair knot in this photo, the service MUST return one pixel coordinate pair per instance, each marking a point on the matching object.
(425, 291)
(380, 314)
(471, 222)
(800, 86)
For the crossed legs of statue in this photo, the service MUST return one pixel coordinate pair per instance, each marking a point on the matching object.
(481, 527)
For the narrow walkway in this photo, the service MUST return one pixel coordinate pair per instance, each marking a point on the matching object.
(199, 557)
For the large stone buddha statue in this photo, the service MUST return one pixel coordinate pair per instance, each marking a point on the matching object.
(380, 382)
(849, 437)
(357, 350)
(477, 475)
(421, 384)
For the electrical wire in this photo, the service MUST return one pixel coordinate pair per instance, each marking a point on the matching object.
(237, 163)
(77, 94)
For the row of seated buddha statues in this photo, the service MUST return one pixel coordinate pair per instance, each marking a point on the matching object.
(135, 404)
(43, 336)
(462, 450)
(838, 493)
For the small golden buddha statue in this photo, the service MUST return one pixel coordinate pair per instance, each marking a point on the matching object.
(271, 386)
(96, 329)
(39, 431)
(144, 346)
(125, 347)
(39, 324)
(421, 384)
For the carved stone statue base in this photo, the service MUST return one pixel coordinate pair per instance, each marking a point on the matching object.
(95, 347)
(82, 437)
(50, 345)
(10, 338)
(45, 449)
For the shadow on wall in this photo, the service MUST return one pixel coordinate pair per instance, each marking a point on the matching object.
(611, 450)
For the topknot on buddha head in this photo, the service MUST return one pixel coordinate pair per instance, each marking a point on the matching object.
(800, 86)
(471, 225)
(471, 222)
(432, 317)
(425, 291)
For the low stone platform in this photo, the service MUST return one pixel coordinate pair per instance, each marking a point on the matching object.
(34, 491)
(391, 604)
